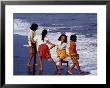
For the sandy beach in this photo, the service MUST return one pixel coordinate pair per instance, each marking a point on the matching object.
(20, 59)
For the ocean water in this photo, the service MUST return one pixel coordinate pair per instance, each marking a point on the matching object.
(83, 24)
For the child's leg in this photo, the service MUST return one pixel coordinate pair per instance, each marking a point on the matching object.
(78, 67)
(76, 63)
(35, 65)
(35, 59)
(30, 59)
(31, 55)
(61, 61)
(35, 51)
(40, 63)
(53, 62)
(70, 69)
(58, 67)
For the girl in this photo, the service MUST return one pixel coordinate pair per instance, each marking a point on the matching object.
(61, 49)
(32, 44)
(43, 49)
(73, 54)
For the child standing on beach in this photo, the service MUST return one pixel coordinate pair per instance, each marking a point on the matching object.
(73, 54)
(43, 49)
(61, 49)
(32, 44)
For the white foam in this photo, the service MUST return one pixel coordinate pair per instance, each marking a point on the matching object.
(87, 52)
(22, 27)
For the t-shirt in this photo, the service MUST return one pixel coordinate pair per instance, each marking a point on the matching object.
(31, 35)
(72, 48)
(61, 46)
(39, 41)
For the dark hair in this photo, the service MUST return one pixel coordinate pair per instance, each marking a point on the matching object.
(64, 36)
(34, 26)
(73, 38)
(44, 33)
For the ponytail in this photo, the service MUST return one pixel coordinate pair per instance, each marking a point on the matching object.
(43, 36)
(44, 33)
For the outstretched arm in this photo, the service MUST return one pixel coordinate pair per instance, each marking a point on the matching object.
(52, 46)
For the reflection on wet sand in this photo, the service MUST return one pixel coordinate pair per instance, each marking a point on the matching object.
(32, 70)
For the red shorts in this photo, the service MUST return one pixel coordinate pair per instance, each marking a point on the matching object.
(44, 51)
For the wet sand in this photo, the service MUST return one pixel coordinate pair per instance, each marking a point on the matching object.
(21, 56)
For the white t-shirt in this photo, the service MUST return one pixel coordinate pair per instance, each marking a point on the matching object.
(63, 46)
(31, 35)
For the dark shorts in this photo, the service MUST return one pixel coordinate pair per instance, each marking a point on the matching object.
(33, 49)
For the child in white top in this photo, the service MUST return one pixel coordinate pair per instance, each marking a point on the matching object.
(61, 50)
(32, 44)
(31, 35)
(43, 49)
(39, 41)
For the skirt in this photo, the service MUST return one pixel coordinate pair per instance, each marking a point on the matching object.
(44, 51)
(61, 54)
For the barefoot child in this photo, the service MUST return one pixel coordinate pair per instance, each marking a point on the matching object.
(73, 54)
(32, 44)
(61, 49)
(43, 49)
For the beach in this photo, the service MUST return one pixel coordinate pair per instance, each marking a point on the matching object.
(83, 25)
(21, 57)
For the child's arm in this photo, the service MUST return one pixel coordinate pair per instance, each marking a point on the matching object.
(53, 45)
(33, 41)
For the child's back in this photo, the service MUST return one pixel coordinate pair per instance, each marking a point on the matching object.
(31, 35)
(72, 48)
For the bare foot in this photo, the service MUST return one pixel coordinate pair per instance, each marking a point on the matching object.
(35, 65)
(48, 59)
(81, 72)
(29, 65)
(69, 72)
(58, 71)
(41, 72)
